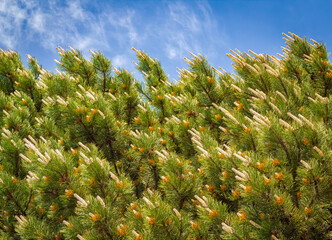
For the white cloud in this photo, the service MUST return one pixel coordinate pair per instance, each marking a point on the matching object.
(174, 28)
(122, 23)
(72, 25)
(50, 26)
(184, 16)
(189, 27)
(171, 52)
(120, 61)
(75, 10)
(11, 20)
(37, 21)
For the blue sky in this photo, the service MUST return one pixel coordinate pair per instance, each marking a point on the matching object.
(167, 30)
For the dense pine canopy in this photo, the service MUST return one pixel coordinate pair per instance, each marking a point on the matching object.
(89, 152)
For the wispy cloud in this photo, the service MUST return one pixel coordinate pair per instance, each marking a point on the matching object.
(76, 11)
(171, 29)
(11, 21)
(184, 16)
(37, 21)
(51, 25)
(70, 24)
(120, 61)
(123, 26)
(188, 27)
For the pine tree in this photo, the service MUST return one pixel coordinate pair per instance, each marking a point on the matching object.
(89, 152)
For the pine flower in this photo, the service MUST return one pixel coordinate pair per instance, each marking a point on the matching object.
(41, 210)
(137, 120)
(279, 200)
(279, 176)
(138, 236)
(69, 193)
(308, 211)
(213, 213)
(179, 163)
(267, 181)
(247, 130)
(47, 179)
(151, 220)
(133, 206)
(165, 179)
(94, 111)
(276, 162)
(186, 123)
(54, 208)
(119, 184)
(91, 181)
(242, 215)
(74, 152)
(121, 230)
(137, 214)
(247, 189)
(260, 165)
(168, 221)
(210, 188)
(79, 109)
(305, 181)
(15, 180)
(305, 141)
(195, 225)
(236, 193)
(88, 118)
(94, 217)
(239, 107)
(223, 188)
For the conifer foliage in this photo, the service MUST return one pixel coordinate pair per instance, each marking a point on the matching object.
(89, 152)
